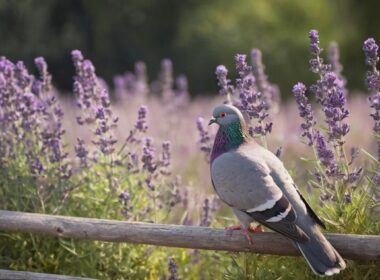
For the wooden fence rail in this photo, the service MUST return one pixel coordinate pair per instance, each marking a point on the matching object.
(26, 275)
(354, 247)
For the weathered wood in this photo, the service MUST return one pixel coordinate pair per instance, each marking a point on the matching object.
(26, 275)
(355, 247)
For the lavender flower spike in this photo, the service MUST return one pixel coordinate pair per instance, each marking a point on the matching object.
(204, 138)
(166, 153)
(148, 155)
(305, 111)
(172, 267)
(370, 49)
(269, 91)
(326, 156)
(316, 63)
(336, 67)
(221, 73)
(44, 74)
(334, 107)
(141, 124)
(314, 42)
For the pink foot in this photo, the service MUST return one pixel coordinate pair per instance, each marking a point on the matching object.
(259, 228)
(233, 227)
(247, 231)
(247, 234)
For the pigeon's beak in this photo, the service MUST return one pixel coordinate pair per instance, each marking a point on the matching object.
(213, 120)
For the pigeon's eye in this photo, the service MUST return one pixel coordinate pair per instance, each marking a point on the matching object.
(222, 114)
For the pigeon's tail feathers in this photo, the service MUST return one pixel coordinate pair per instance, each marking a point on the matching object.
(321, 256)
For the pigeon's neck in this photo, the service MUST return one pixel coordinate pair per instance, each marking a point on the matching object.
(228, 138)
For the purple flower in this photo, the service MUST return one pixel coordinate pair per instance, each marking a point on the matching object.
(375, 104)
(133, 162)
(147, 157)
(353, 177)
(330, 93)
(370, 49)
(166, 79)
(336, 67)
(347, 197)
(172, 267)
(81, 152)
(99, 112)
(45, 78)
(334, 107)
(166, 154)
(326, 156)
(182, 91)
(221, 73)
(141, 124)
(141, 87)
(270, 93)
(93, 99)
(373, 80)
(35, 165)
(77, 56)
(316, 63)
(22, 77)
(205, 218)
(314, 42)
(209, 207)
(251, 101)
(305, 111)
(125, 201)
(204, 138)
(242, 68)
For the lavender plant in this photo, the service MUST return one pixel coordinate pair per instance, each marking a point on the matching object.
(124, 169)
(252, 94)
(337, 177)
(204, 138)
(32, 135)
(370, 49)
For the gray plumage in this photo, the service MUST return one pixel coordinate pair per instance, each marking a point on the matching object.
(256, 185)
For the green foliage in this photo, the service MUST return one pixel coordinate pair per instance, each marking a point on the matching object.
(196, 34)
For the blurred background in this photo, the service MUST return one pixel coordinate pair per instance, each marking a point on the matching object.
(197, 35)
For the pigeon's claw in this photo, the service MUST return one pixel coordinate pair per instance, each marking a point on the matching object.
(246, 231)
(247, 234)
(259, 228)
(233, 227)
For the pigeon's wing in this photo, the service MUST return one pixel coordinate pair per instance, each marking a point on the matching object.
(311, 212)
(246, 184)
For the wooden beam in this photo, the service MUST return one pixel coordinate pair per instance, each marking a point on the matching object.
(355, 247)
(23, 275)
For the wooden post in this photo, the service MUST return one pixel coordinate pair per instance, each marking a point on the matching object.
(350, 246)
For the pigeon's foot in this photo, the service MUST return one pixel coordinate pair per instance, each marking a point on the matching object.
(233, 227)
(259, 228)
(251, 228)
(247, 234)
(246, 231)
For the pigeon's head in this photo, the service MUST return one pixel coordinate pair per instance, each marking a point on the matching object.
(225, 115)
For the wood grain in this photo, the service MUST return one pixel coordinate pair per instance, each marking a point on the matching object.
(350, 246)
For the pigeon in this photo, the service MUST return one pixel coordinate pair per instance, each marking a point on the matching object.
(255, 184)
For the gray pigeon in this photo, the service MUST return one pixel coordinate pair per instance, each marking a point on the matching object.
(256, 185)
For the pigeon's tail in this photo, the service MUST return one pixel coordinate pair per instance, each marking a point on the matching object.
(321, 256)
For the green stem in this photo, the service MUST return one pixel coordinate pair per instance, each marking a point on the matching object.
(263, 140)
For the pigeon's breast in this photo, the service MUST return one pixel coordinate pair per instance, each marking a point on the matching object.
(240, 181)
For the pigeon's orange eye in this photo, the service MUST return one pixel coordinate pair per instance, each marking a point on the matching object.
(222, 114)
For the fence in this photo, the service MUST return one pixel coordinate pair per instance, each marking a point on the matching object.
(350, 246)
